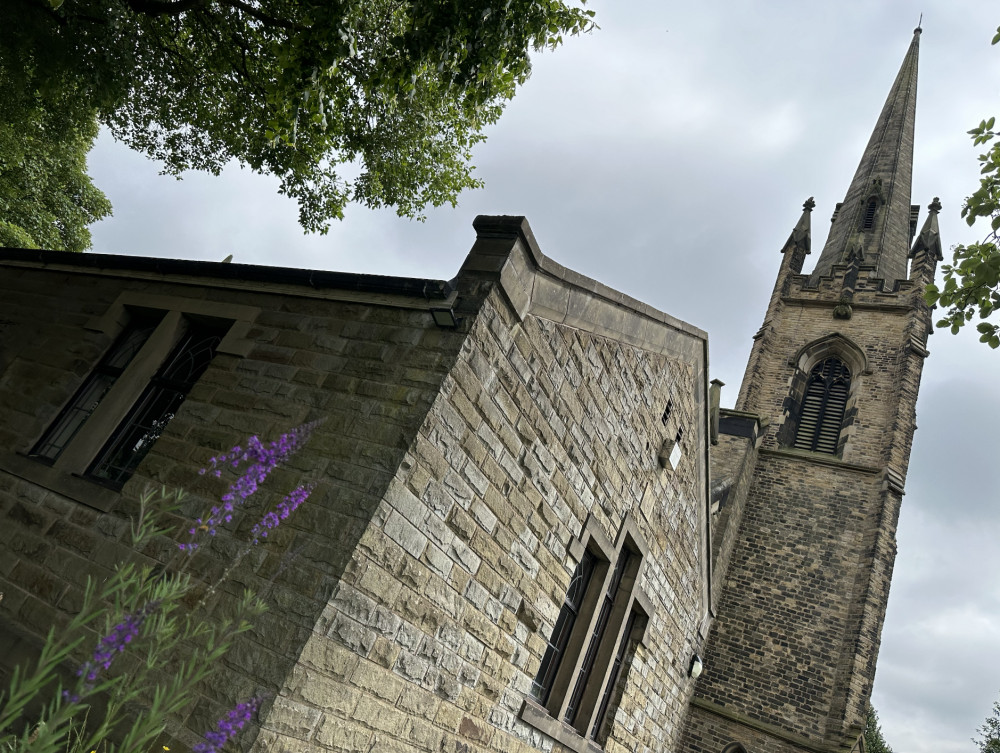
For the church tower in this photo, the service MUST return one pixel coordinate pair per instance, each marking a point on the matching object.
(804, 552)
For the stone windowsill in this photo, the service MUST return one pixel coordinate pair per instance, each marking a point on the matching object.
(76, 488)
(536, 716)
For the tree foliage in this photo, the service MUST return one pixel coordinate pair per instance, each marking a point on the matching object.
(989, 733)
(373, 101)
(972, 280)
(46, 197)
(874, 741)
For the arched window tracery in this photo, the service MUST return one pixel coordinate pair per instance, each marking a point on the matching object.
(824, 404)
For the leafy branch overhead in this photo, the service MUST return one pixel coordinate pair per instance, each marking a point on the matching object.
(373, 101)
(972, 281)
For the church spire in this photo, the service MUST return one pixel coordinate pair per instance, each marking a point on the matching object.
(873, 223)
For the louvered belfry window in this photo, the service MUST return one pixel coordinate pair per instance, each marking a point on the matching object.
(823, 406)
(868, 222)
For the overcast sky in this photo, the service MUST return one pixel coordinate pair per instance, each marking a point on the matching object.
(668, 155)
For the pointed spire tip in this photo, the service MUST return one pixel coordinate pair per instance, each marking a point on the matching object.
(877, 203)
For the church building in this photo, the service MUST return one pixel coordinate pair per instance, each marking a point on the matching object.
(533, 527)
(817, 451)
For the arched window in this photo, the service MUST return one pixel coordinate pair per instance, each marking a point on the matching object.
(868, 221)
(821, 415)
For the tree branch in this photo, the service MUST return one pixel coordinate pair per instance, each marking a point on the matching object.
(45, 8)
(261, 16)
(163, 7)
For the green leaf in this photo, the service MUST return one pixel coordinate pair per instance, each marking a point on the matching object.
(407, 90)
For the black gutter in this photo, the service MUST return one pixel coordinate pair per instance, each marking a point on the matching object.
(313, 278)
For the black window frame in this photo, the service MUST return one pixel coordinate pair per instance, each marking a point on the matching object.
(99, 382)
(126, 381)
(630, 640)
(610, 623)
(115, 463)
(555, 651)
(597, 636)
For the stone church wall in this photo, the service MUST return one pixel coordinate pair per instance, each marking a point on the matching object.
(804, 575)
(460, 475)
(733, 461)
(707, 730)
(434, 635)
(370, 372)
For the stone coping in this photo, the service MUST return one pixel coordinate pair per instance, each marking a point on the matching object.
(508, 229)
(507, 254)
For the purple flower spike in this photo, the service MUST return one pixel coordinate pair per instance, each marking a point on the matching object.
(111, 645)
(285, 508)
(227, 727)
(260, 460)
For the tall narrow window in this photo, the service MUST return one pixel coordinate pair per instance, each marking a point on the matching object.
(868, 222)
(630, 639)
(821, 416)
(159, 402)
(597, 639)
(96, 386)
(556, 650)
(584, 667)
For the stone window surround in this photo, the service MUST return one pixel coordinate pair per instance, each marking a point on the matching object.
(65, 475)
(549, 719)
(833, 345)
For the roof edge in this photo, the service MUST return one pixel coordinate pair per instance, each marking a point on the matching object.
(314, 279)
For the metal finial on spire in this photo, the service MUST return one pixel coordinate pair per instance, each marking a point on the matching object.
(920, 23)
